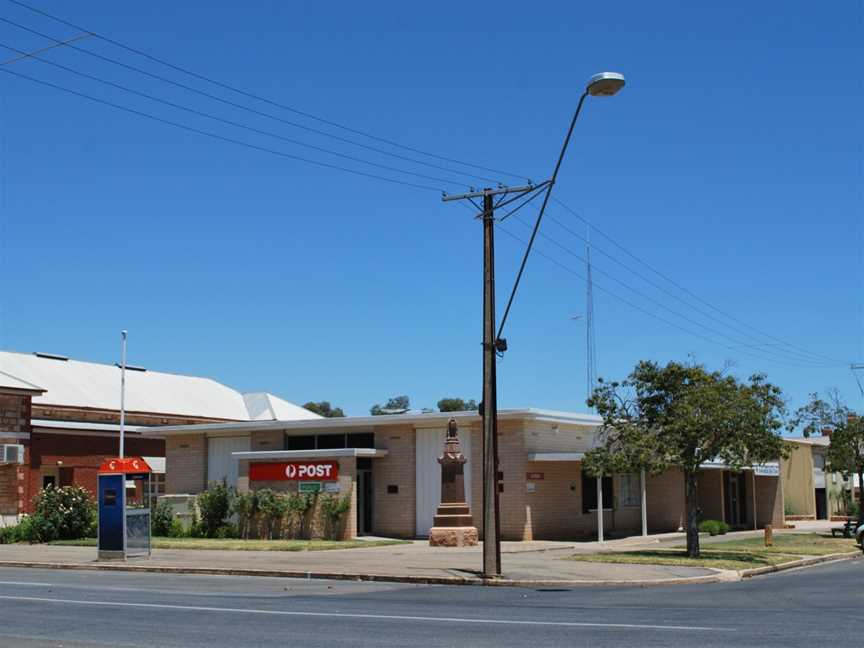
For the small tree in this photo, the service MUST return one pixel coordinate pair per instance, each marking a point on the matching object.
(325, 409)
(457, 405)
(845, 454)
(395, 405)
(214, 505)
(820, 414)
(683, 416)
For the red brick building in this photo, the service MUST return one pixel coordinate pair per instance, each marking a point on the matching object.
(59, 418)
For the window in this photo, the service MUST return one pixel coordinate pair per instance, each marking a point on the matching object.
(306, 442)
(819, 461)
(589, 494)
(631, 490)
(331, 441)
(361, 440)
(48, 480)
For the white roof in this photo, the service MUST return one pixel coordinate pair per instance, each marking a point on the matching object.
(430, 419)
(72, 383)
(8, 381)
(267, 407)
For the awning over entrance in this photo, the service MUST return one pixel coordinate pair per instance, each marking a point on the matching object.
(556, 456)
(371, 453)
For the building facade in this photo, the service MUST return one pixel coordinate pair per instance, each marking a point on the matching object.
(64, 415)
(387, 466)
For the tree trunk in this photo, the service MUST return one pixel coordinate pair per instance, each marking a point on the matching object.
(691, 491)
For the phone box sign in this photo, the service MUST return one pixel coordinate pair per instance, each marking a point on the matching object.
(295, 471)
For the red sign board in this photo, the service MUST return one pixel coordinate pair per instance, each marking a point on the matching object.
(127, 465)
(295, 471)
(535, 476)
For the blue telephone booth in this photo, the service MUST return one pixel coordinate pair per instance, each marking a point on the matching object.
(123, 496)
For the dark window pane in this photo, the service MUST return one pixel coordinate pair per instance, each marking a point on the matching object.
(306, 442)
(589, 493)
(361, 440)
(331, 441)
(364, 463)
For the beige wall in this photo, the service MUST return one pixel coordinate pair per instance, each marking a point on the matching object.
(711, 494)
(186, 463)
(665, 501)
(394, 513)
(797, 474)
(769, 502)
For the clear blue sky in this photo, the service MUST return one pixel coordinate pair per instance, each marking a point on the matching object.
(731, 162)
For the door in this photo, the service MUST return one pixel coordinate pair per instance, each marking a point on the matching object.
(365, 496)
(430, 446)
(220, 465)
(821, 504)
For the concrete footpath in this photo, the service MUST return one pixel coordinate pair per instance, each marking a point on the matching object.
(523, 563)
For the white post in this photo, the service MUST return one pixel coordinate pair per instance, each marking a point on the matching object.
(600, 509)
(644, 504)
(122, 389)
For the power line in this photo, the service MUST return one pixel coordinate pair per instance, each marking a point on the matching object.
(230, 122)
(217, 136)
(250, 95)
(660, 318)
(234, 104)
(801, 350)
(651, 299)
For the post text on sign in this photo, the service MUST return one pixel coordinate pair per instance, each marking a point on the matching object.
(295, 471)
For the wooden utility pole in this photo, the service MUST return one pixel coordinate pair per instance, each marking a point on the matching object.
(491, 524)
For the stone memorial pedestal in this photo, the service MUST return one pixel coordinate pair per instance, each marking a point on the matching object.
(453, 525)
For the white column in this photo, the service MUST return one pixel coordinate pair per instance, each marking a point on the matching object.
(599, 509)
(644, 503)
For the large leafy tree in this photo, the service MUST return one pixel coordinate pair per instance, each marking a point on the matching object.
(820, 414)
(845, 454)
(325, 409)
(395, 405)
(681, 416)
(456, 405)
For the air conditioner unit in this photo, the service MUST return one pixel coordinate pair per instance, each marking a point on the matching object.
(11, 453)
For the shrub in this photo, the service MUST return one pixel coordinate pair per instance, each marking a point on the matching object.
(722, 527)
(176, 530)
(66, 513)
(334, 508)
(214, 505)
(272, 507)
(245, 507)
(711, 527)
(9, 535)
(299, 505)
(162, 519)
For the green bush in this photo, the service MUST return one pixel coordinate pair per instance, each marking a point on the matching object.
(245, 507)
(162, 518)
(334, 508)
(272, 507)
(9, 535)
(67, 513)
(177, 530)
(722, 527)
(214, 506)
(711, 527)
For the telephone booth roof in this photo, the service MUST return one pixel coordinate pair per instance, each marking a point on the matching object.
(124, 465)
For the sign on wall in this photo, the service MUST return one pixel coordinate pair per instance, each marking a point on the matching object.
(295, 471)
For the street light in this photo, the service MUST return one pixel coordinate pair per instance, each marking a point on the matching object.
(605, 84)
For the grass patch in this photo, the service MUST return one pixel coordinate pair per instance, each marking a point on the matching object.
(799, 544)
(247, 545)
(735, 560)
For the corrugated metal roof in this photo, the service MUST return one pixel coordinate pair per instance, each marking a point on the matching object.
(8, 381)
(73, 383)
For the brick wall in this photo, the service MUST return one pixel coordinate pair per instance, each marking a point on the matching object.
(267, 440)
(88, 415)
(79, 456)
(711, 494)
(14, 420)
(665, 501)
(394, 513)
(186, 465)
(769, 502)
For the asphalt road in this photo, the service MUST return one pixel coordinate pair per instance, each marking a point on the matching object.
(817, 606)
